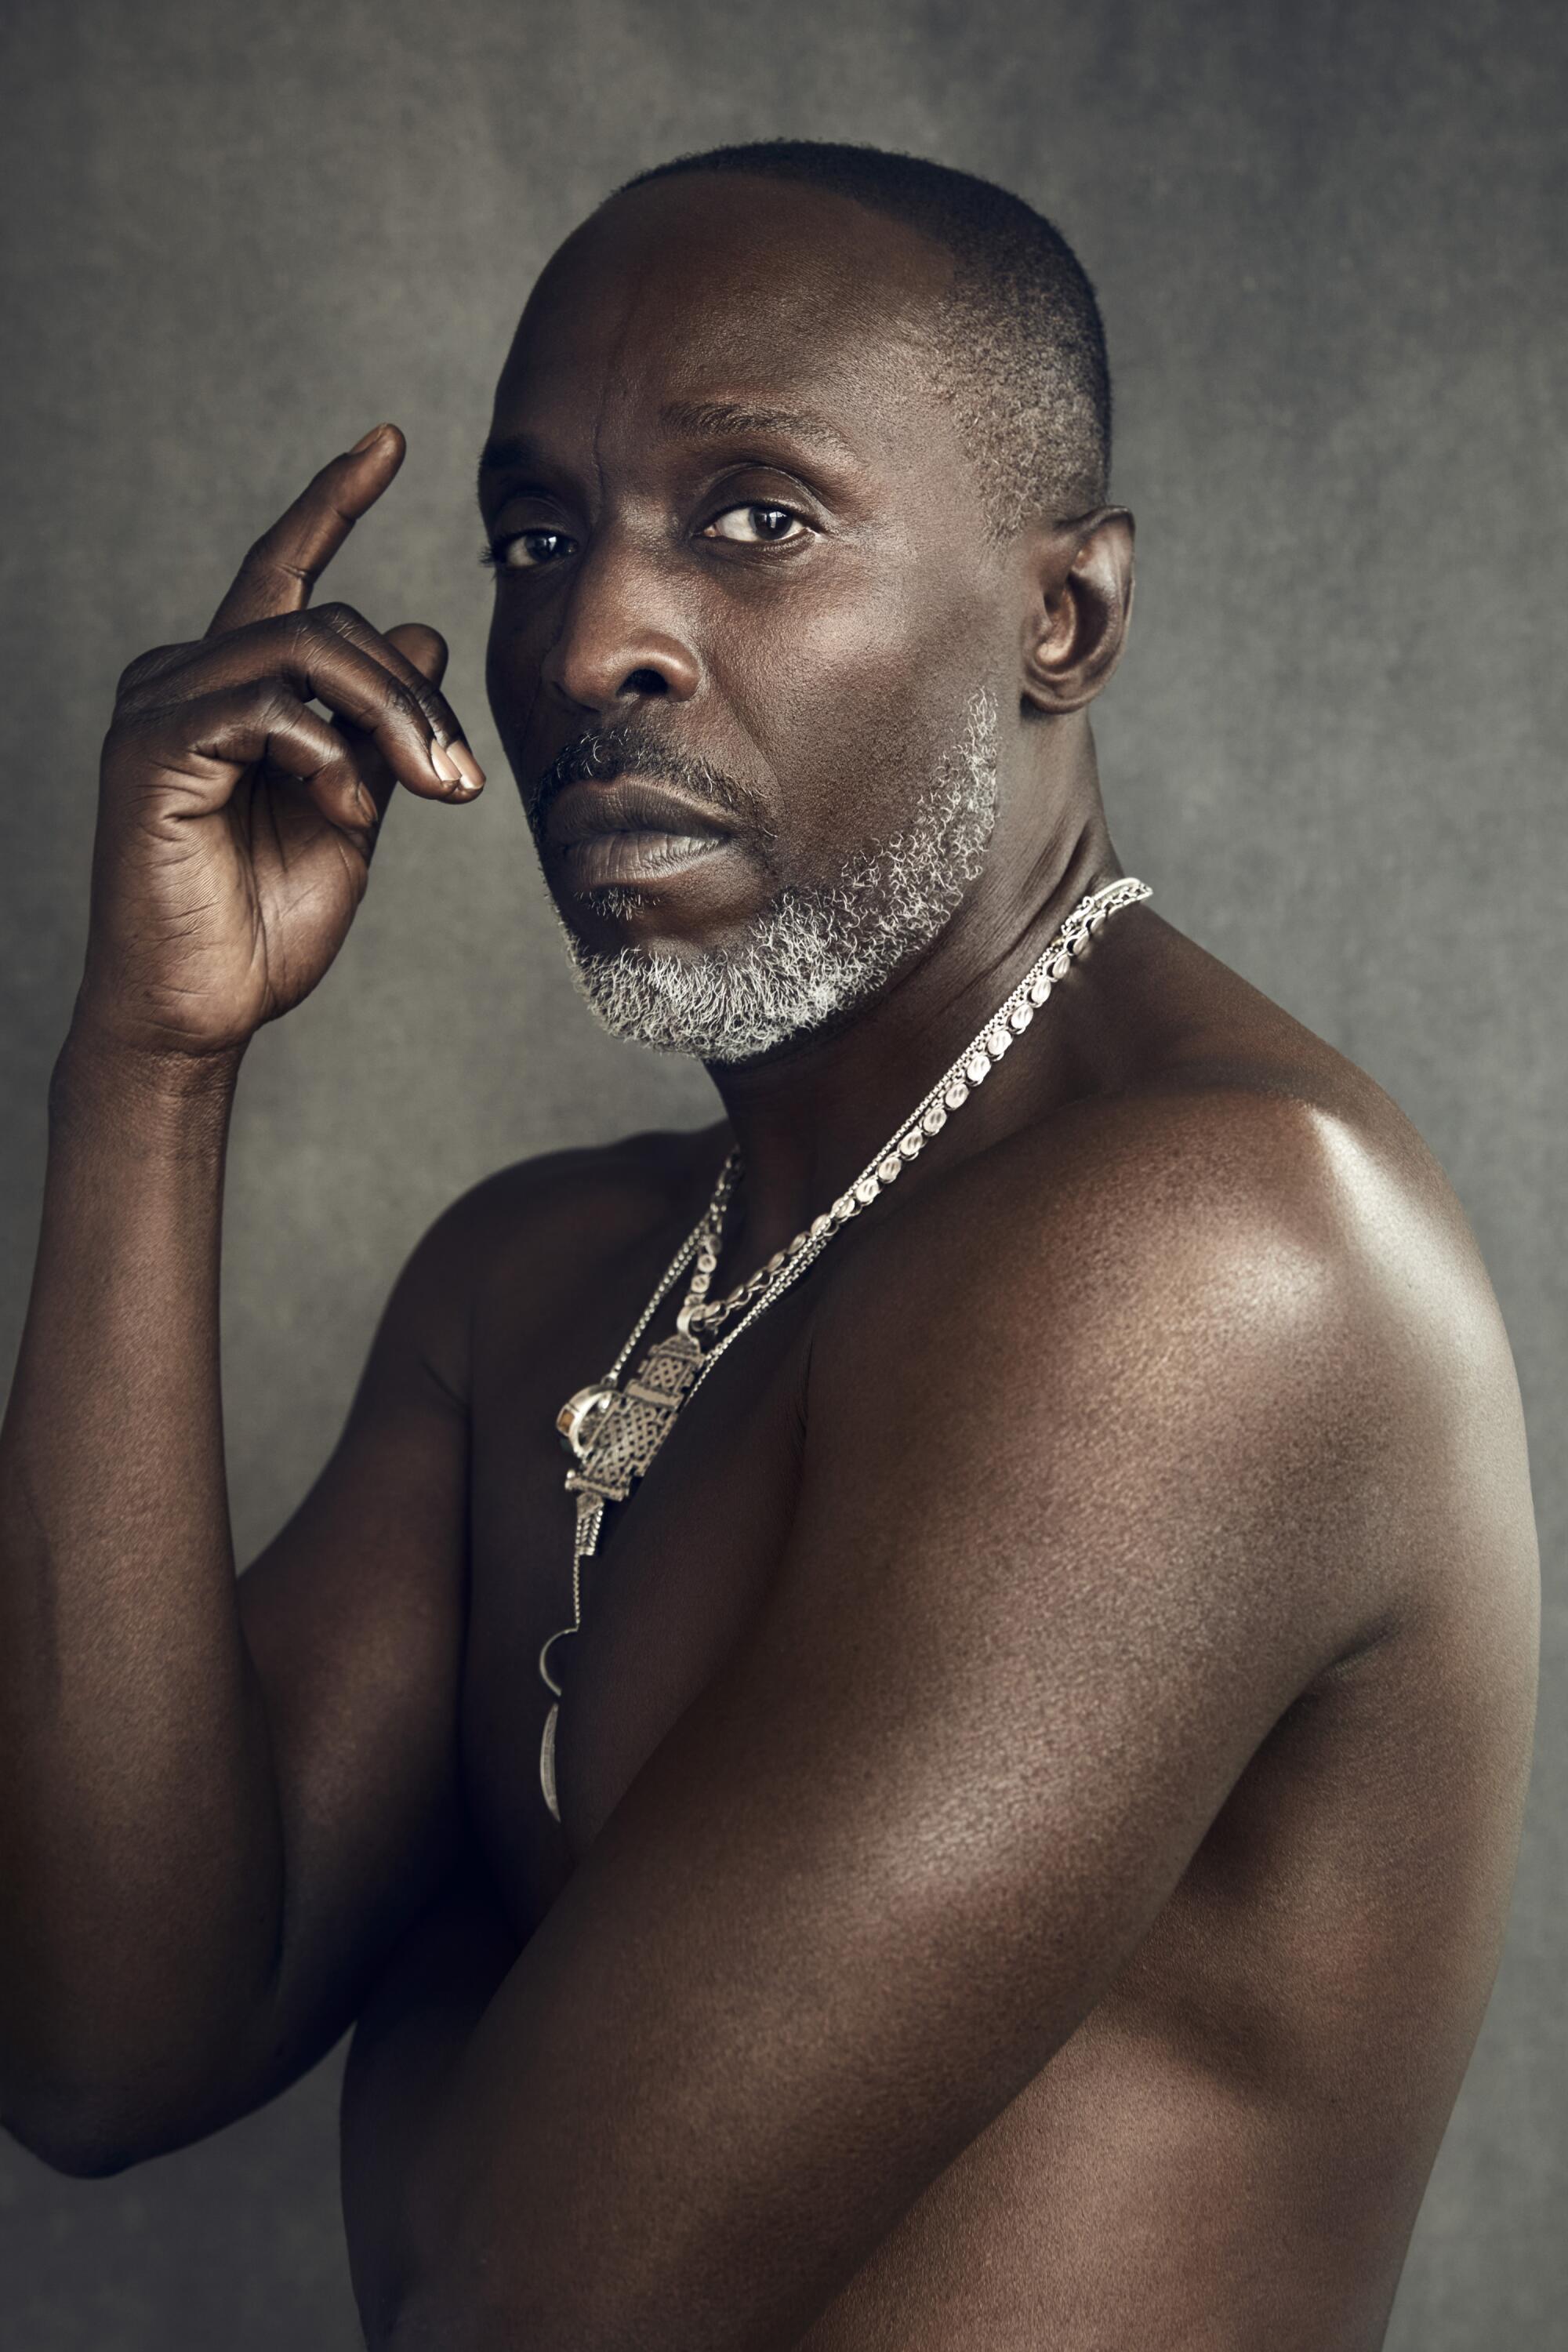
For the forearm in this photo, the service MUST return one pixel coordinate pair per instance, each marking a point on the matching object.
(142, 1866)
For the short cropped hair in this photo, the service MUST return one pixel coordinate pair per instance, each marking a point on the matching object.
(1019, 343)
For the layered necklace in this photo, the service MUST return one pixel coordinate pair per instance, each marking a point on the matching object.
(613, 1430)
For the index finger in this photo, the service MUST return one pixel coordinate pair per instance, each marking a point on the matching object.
(286, 561)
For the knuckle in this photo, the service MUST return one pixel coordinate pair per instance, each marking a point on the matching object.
(298, 632)
(270, 703)
(395, 698)
(146, 669)
(408, 704)
(268, 559)
(337, 614)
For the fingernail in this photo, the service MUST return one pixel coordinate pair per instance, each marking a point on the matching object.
(368, 440)
(472, 773)
(443, 766)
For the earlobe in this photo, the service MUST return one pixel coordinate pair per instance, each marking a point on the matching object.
(1081, 600)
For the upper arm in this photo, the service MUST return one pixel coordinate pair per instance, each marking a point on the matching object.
(1071, 1538)
(353, 1617)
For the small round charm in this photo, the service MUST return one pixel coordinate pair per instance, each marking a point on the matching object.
(865, 1190)
(977, 1069)
(935, 1119)
(956, 1096)
(578, 1417)
(1059, 968)
(1040, 991)
(889, 1168)
(997, 1041)
(910, 1144)
(1019, 1018)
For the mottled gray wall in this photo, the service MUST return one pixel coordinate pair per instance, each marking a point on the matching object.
(1324, 240)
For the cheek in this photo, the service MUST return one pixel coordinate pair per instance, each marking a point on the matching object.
(509, 683)
(854, 693)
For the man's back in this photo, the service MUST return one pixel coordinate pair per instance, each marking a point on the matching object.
(1231, 2145)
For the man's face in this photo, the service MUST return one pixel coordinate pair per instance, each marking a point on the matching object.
(742, 564)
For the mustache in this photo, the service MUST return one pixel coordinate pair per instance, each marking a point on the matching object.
(631, 751)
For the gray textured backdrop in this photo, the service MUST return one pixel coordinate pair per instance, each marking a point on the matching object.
(1324, 240)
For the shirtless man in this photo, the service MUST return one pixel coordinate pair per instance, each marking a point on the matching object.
(1040, 1772)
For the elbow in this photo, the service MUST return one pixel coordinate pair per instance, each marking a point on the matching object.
(93, 2104)
(76, 2137)
(90, 2128)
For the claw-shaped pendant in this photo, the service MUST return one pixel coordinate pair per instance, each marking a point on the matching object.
(547, 1761)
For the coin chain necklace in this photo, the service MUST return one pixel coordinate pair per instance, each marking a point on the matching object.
(613, 1432)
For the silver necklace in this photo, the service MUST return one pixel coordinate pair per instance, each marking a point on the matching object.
(614, 1432)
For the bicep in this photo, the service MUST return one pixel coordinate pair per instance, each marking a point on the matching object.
(353, 1619)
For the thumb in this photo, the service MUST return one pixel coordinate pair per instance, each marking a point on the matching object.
(425, 647)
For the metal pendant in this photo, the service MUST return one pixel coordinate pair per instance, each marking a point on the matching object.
(547, 1761)
(614, 1433)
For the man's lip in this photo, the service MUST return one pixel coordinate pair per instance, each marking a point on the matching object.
(621, 803)
(639, 861)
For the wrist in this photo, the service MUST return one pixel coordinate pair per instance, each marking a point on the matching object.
(140, 1085)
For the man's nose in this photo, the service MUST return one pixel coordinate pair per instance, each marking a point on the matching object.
(620, 639)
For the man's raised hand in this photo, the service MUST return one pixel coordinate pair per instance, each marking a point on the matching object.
(235, 824)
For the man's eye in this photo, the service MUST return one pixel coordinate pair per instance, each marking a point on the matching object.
(526, 550)
(756, 526)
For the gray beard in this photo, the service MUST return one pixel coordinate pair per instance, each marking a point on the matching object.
(814, 954)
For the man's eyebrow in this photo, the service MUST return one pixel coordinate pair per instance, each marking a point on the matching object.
(733, 419)
(506, 456)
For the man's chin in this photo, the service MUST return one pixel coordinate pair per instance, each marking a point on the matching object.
(730, 1000)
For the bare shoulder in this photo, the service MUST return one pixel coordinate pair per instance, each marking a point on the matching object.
(1234, 1310)
(533, 1230)
(1239, 1202)
(617, 1188)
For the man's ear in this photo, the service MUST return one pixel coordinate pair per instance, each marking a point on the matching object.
(1080, 601)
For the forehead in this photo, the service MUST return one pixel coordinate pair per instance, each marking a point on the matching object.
(714, 287)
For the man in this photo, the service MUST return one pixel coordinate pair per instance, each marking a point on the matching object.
(1023, 1846)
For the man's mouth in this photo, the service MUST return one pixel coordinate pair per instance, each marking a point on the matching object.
(630, 830)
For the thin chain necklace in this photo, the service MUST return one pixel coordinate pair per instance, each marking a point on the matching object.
(613, 1432)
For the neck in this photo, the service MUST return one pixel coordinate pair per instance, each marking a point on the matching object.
(807, 1118)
